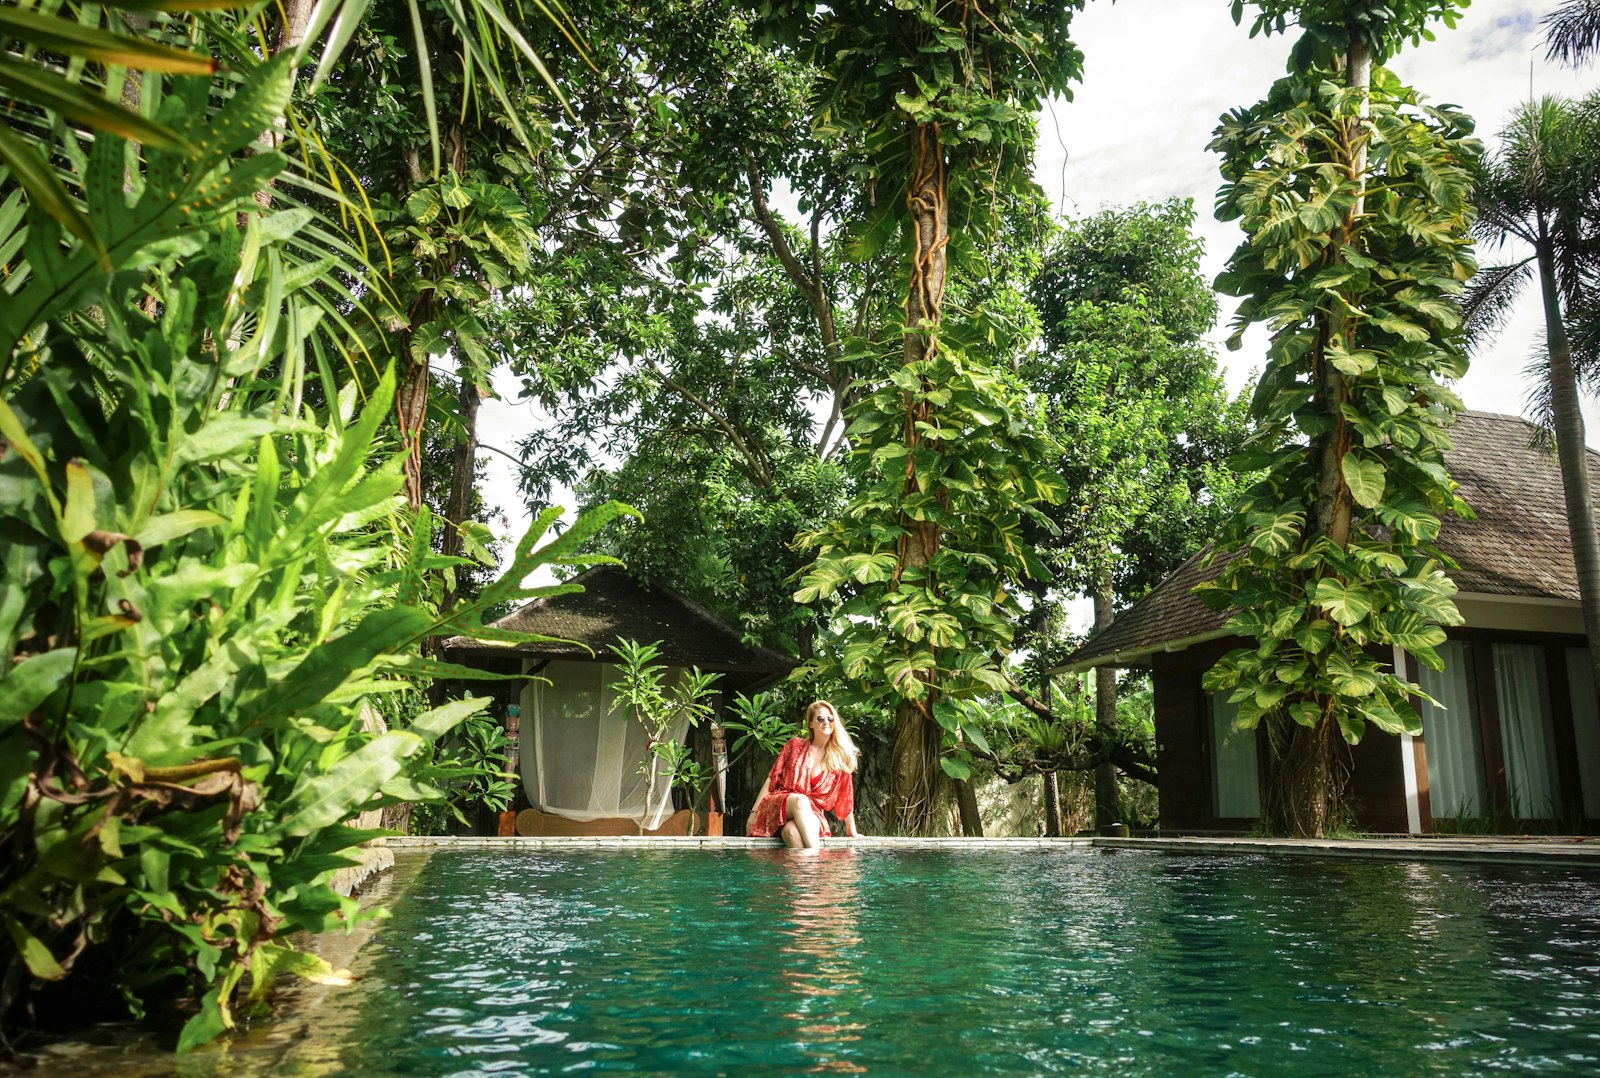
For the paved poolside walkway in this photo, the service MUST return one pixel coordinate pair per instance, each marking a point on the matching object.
(1490, 849)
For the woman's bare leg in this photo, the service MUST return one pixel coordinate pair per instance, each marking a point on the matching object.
(805, 821)
(790, 835)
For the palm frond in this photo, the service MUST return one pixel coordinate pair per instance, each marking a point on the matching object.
(1583, 334)
(1538, 407)
(1489, 298)
(1572, 32)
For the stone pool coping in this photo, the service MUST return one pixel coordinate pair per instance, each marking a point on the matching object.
(1488, 849)
(728, 842)
(1505, 849)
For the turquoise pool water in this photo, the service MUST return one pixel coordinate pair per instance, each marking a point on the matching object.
(956, 962)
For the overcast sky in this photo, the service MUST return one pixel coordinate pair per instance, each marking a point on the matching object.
(1157, 75)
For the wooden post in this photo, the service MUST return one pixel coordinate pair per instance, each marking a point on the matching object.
(508, 817)
(719, 767)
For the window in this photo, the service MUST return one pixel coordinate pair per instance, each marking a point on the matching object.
(1450, 735)
(1527, 735)
(1586, 727)
(1233, 755)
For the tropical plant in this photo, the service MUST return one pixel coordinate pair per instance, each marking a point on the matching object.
(660, 701)
(946, 444)
(759, 724)
(207, 582)
(202, 590)
(1541, 187)
(470, 768)
(1572, 32)
(1356, 200)
(112, 68)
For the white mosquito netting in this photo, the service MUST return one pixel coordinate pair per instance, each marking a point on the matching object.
(581, 759)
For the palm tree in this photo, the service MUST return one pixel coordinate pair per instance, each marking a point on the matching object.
(1572, 32)
(1539, 187)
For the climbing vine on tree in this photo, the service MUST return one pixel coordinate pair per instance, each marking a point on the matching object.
(1355, 196)
(941, 97)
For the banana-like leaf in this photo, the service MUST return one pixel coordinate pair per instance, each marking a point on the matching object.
(339, 793)
(74, 39)
(48, 91)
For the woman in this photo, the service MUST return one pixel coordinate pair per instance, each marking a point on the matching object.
(810, 778)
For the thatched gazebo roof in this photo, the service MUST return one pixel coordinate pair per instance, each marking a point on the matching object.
(613, 606)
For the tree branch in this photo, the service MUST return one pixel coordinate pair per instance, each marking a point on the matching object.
(811, 287)
(753, 459)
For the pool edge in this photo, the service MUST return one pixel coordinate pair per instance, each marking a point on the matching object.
(1570, 851)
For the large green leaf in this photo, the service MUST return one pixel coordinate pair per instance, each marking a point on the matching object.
(26, 685)
(1365, 476)
(341, 791)
(1347, 605)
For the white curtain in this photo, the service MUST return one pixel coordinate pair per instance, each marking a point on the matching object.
(583, 755)
(1233, 753)
(1586, 727)
(1451, 738)
(1526, 732)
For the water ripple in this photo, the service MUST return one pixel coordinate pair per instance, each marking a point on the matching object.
(977, 962)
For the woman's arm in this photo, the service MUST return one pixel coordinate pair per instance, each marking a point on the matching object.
(850, 827)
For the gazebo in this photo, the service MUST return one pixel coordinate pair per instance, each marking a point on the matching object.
(582, 761)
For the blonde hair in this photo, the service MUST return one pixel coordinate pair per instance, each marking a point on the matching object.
(841, 754)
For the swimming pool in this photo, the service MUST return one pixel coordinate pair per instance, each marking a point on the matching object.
(960, 962)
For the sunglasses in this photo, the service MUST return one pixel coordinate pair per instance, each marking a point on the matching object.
(828, 719)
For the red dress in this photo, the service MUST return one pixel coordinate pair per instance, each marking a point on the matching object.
(829, 791)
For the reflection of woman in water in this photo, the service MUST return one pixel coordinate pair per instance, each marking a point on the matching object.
(819, 959)
(811, 778)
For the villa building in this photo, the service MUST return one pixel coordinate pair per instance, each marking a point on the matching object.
(1515, 744)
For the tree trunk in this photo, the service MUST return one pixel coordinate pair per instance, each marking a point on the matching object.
(287, 36)
(1331, 514)
(411, 414)
(1304, 771)
(1052, 805)
(967, 802)
(917, 736)
(463, 466)
(1301, 786)
(1106, 810)
(1573, 454)
(912, 773)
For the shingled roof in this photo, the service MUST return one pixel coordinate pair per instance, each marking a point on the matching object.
(1518, 546)
(613, 606)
